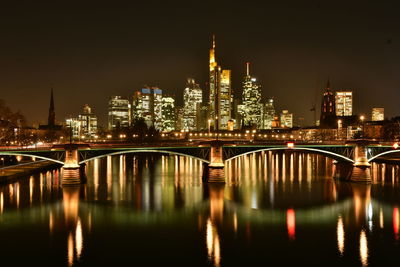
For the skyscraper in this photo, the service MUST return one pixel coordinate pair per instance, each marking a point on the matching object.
(268, 113)
(119, 113)
(88, 122)
(286, 119)
(147, 104)
(251, 108)
(344, 103)
(328, 110)
(220, 93)
(378, 114)
(168, 114)
(192, 100)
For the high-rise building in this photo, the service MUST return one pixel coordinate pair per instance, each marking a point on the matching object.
(378, 114)
(268, 113)
(119, 113)
(147, 104)
(251, 108)
(344, 103)
(73, 126)
(286, 119)
(88, 123)
(168, 114)
(328, 110)
(192, 100)
(220, 93)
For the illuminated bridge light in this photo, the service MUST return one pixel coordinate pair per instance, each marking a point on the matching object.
(395, 145)
(290, 145)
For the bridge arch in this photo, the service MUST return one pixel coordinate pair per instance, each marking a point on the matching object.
(143, 151)
(308, 149)
(383, 153)
(10, 153)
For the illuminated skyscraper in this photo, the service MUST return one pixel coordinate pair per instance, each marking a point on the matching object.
(344, 103)
(286, 119)
(168, 114)
(88, 123)
(147, 104)
(251, 108)
(268, 113)
(378, 114)
(119, 113)
(192, 99)
(220, 101)
(328, 110)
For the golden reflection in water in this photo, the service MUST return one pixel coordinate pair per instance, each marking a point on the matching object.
(362, 200)
(51, 222)
(17, 193)
(70, 250)
(213, 244)
(363, 248)
(381, 222)
(70, 203)
(340, 235)
(1, 202)
(291, 223)
(78, 239)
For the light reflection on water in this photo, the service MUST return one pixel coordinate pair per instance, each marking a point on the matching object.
(287, 204)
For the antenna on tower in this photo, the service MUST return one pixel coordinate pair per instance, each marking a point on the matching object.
(247, 68)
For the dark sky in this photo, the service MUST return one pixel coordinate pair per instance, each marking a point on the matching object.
(92, 50)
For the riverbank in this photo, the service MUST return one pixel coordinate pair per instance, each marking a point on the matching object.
(11, 173)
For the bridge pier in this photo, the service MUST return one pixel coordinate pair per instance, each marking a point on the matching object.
(73, 173)
(360, 171)
(214, 172)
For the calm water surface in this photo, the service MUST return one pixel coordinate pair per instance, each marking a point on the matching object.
(149, 209)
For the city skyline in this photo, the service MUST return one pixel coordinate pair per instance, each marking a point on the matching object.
(294, 75)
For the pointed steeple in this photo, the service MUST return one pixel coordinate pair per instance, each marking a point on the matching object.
(213, 42)
(328, 85)
(52, 115)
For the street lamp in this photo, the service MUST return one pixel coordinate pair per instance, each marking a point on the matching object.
(362, 125)
(209, 126)
(339, 126)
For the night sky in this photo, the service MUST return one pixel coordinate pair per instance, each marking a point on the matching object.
(92, 50)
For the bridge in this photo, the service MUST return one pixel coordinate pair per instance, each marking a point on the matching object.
(352, 158)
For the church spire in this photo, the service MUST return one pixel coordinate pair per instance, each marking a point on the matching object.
(328, 84)
(52, 114)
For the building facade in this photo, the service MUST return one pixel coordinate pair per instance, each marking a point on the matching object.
(147, 104)
(88, 123)
(268, 114)
(378, 114)
(192, 101)
(168, 114)
(251, 108)
(344, 103)
(286, 119)
(328, 110)
(119, 113)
